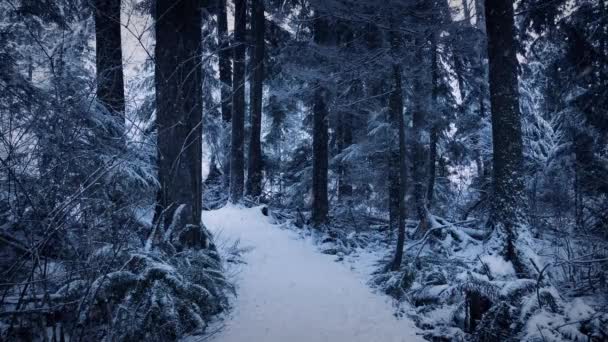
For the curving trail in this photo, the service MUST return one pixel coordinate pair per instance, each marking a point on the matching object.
(289, 292)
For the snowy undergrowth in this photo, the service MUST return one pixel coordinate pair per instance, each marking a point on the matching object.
(174, 283)
(462, 287)
(457, 285)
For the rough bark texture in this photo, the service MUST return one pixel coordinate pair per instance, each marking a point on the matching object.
(506, 213)
(237, 167)
(393, 165)
(419, 126)
(225, 64)
(225, 69)
(178, 79)
(396, 107)
(434, 132)
(320, 205)
(254, 166)
(430, 188)
(110, 83)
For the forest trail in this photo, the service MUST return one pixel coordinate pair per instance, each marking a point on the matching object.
(290, 292)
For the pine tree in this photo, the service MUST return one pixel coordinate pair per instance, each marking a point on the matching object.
(237, 159)
(225, 63)
(110, 83)
(506, 209)
(420, 129)
(320, 203)
(178, 81)
(396, 109)
(254, 166)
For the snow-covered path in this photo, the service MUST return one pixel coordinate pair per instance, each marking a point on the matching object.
(289, 292)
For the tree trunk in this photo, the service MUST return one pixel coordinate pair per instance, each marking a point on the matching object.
(110, 83)
(225, 64)
(178, 80)
(254, 169)
(396, 113)
(225, 69)
(237, 167)
(396, 106)
(419, 126)
(320, 205)
(394, 180)
(434, 133)
(430, 189)
(506, 205)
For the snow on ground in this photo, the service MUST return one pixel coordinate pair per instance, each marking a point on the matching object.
(289, 292)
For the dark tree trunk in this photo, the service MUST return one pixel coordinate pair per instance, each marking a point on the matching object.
(237, 161)
(434, 133)
(430, 189)
(254, 167)
(394, 180)
(178, 82)
(396, 106)
(419, 126)
(110, 83)
(396, 113)
(506, 212)
(225, 63)
(320, 205)
(225, 68)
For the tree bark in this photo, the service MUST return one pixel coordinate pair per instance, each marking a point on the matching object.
(396, 106)
(178, 80)
(506, 205)
(320, 205)
(419, 126)
(225, 64)
(436, 121)
(254, 167)
(396, 113)
(225, 69)
(110, 81)
(237, 160)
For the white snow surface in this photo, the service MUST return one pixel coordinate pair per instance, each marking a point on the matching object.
(290, 292)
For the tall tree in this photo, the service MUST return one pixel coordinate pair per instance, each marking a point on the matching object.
(110, 83)
(225, 64)
(419, 126)
(237, 160)
(225, 70)
(178, 80)
(396, 109)
(320, 138)
(344, 122)
(506, 212)
(434, 130)
(254, 166)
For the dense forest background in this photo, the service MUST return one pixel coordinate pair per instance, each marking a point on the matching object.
(465, 139)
